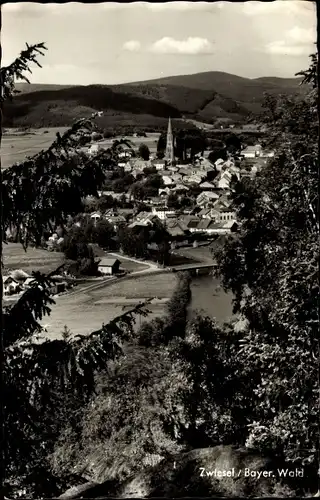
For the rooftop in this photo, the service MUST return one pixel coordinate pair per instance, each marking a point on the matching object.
(108, 262)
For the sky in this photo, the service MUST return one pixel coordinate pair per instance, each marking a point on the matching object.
(111, 43)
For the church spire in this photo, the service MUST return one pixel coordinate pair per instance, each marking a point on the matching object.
(169, 147)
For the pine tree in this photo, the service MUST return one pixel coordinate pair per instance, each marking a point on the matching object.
(38, 194)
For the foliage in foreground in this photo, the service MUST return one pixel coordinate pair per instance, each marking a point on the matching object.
(271, 266)
(177, 383)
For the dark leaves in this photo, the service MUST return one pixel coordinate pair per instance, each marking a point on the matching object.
(17, 69)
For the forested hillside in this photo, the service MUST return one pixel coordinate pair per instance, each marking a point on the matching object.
(203, 96)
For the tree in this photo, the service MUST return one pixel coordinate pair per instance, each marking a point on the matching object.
(178, 308)
(271, 267)
(121, 430)
(217, 153)
(133, 241)
(40, 193)
(154, 181)
(161, 145)
(102, 233)
(233, 143)
(144, 151)
(193, 141)
(173, 201)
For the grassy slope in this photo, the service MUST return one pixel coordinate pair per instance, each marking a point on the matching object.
(34, 259)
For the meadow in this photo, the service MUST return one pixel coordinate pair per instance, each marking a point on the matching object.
(85, 312)
(151, 141)
(16, 147)
(39, 259)
(33, 259)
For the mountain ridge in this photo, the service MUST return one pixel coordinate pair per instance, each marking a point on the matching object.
(206, 96)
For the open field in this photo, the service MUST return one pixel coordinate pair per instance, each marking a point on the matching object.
(34, 259)
(87, 310)
(38, 259)
(15, 148)
(130, 265)
(151, 141)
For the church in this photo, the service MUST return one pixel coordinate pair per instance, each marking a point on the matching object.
(169, 155)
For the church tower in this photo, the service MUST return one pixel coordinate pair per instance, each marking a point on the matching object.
(169, 147)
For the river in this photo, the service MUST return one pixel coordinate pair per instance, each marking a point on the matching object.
(209, 298)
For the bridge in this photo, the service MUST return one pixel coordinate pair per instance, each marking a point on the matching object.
(193, 267)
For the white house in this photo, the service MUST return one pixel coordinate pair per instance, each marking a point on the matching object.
(266, 154)
(194, 179)
(225, 214)
(223, 227)
(172, 168)
(108, 266)
(223, 180)
(168, 181)
(163, 212)
(124, 154)
(93, 149)
(27, 282)
(176, 177)
(218, 164)
(95, 216)
(127, 167)
(140, 165)
(164, 191)
(159, 164)
(144, 219)
(180, 188)
(10, 285)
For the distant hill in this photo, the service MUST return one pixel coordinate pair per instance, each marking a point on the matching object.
(48, 108)
(233, 95)
(26, 88)
(202, 96)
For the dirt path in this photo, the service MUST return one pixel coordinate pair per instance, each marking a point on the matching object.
(151, 265)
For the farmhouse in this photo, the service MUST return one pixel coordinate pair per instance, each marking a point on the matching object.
(109, 266)
(10, 285)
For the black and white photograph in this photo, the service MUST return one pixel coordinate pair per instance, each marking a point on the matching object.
(160, 249)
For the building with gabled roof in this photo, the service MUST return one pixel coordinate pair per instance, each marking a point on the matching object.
(205, 198)
(108, 266)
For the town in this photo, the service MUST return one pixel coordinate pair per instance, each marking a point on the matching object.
(188, 201)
